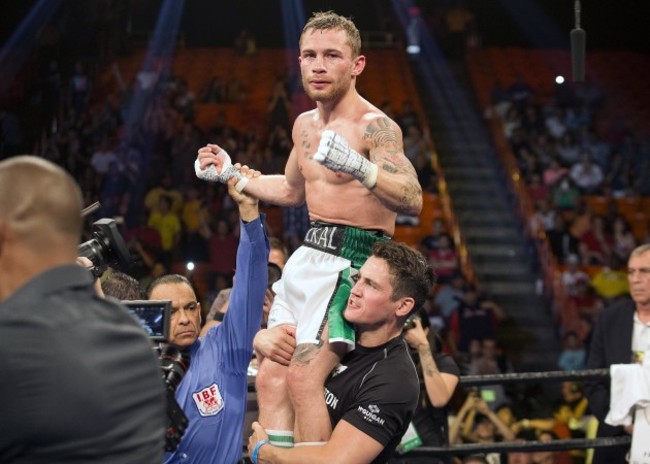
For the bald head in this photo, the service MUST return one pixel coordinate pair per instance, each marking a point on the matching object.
(40, 205)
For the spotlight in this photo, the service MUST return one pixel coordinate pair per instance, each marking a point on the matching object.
(413, 49)
(413, 32)
(559, 79)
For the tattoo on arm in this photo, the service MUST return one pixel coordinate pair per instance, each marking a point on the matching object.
(306, 144)
(381, 133)
(410, 195)
(305, 353)
(386, 147)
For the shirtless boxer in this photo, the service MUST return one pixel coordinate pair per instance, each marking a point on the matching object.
(348, 165)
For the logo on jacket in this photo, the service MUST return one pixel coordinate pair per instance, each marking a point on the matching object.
(371, 414)
(208, 401)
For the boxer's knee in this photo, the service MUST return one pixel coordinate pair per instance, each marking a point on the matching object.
(271, 380)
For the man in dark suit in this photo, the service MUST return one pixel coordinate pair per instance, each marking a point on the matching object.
(621, 330)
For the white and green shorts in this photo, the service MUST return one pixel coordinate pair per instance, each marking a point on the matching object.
(317, 280)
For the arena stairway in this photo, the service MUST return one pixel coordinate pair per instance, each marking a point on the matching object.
(504, 264)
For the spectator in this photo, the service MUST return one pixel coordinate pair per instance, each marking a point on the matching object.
(595, 245)
(537, 190)
(565, 194)
(554, 172)
(414, 142)
(487, 363)
(475, 318)
(167, 188)
(624, 241)
(521, 457)
(587, 175)
(520, 92)
(543, 218)
(567, 149)
(562, 242)
(476, 423)
(617, 177)
(439, 376)
(222, 246)
(450, 295)
(444, 259)
(194, 217)
(430, 241)
(573, 355)
(556, 125)
(610, 282)
(102, 157)
(168, 226)
(573, 276)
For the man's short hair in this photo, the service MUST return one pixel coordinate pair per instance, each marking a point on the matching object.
(122, 286)
(411, 273)
(326, 20)
(640, 250)
(168, 279)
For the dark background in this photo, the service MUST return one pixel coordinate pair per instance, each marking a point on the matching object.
(620, 24)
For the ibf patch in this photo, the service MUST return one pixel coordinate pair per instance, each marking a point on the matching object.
(208, 401)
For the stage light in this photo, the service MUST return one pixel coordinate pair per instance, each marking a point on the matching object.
(559, 79)
(413, 31)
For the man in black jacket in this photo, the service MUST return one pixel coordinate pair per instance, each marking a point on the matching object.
(622, 330)
(80, 382)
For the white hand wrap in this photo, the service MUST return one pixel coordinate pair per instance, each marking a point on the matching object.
(335, 153)
(227, 172)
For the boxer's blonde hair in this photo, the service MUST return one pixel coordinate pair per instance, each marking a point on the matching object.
(326, 20)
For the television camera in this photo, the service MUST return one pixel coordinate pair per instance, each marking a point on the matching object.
(107, 248)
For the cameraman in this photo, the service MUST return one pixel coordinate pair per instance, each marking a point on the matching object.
(214, 390)
(79, 380)
(439, 375)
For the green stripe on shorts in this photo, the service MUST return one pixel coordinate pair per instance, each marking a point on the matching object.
(357, 247)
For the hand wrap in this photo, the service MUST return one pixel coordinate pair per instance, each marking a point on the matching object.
(228, 171)
(335, 153)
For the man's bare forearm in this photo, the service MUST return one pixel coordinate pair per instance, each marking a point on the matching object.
(274, 189)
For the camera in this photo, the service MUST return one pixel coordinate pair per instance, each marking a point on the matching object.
(153, 315)
(410, 322)
(106, 248)
(174, 367)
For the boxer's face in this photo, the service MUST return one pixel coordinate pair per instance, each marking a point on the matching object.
(326, 63)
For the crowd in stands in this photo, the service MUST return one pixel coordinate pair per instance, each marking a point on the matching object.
(589, 189)
(139, 166)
